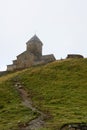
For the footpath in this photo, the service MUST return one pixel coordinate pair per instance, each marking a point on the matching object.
(36, 123)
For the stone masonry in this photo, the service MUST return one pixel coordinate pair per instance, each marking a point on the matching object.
(32, 56)
(74, 56)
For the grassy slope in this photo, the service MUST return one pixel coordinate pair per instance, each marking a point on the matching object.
(59, 89)
(12, 112)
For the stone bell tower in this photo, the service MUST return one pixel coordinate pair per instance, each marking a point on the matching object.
(34, 46)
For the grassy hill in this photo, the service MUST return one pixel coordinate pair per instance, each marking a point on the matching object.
(58, 89)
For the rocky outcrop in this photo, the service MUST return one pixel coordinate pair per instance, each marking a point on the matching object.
(74, 126)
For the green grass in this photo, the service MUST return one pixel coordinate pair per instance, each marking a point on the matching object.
(12, 112)
(59, 89)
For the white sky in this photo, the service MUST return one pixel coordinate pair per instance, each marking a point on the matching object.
(60, 24)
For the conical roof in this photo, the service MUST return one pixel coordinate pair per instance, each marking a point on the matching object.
(34, 39)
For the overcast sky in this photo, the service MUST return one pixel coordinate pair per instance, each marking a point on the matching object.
(60, 24)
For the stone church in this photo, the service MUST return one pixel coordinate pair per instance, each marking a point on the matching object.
(32, 56)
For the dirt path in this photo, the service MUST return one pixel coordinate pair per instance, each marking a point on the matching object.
(39, 121)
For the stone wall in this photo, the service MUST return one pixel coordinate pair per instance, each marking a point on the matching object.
(25, 60)
(11, 67)
(35, 48)
(74, 56)
(32, 56)
(14, 62)
(48, 58)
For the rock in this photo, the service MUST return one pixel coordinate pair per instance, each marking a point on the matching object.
(20, 86)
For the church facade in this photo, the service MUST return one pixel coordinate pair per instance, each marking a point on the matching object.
(32, 56)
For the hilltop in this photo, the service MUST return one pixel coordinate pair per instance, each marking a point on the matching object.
(58, 89)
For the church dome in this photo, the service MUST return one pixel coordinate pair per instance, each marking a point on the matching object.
(34, 39)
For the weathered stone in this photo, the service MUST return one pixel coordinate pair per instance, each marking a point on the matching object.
(74, 56)
(32, 56)
(74, 126)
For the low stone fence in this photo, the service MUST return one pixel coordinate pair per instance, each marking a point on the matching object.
(74, 56)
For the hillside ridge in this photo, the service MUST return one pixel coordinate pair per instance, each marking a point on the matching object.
(58, 89)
